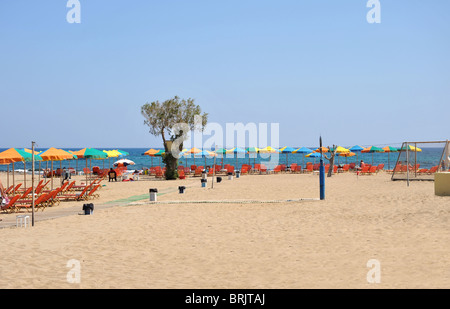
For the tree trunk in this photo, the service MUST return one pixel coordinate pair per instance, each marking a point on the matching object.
(331, 159)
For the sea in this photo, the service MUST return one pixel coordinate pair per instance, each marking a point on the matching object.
(427, 158)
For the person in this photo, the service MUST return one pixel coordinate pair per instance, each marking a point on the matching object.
(361, 164)
(65, 175)
(136, 175)
(112, 175)
(4, 200)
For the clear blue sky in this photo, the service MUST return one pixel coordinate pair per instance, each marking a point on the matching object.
(315, 67)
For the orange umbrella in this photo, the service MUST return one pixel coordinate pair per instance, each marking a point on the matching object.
(55, 154)
(324, 149)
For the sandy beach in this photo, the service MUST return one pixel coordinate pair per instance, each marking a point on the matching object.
(251, 232)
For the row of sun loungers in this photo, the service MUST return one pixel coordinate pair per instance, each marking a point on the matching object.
(47, 198)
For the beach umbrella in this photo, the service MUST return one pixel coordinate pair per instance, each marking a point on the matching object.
(410, 148)
(268, 149)
(90, 153)
(305, 151)
(112, 154)
(324, 149)
(340, 150)
(151, 152)
(287, 150)
(356, 149)
(123, 153)
(390, 149)
(124, 162)
(13, 155)
(220, 152)
(159, 154)
(254, 151)
(314, 155)
(236, 151)
(55, 154)
(193, 150)
(372, 149)
(346, 155)
(204, 154)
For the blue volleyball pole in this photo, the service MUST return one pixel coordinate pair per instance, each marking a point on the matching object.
(321, 173)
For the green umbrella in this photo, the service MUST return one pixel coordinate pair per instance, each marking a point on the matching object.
(372, 150)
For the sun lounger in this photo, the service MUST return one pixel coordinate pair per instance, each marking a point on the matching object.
(76, 196)
(38, 204)
(91, 194)
(10, 207)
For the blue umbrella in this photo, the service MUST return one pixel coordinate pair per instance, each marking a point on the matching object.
(356, 149)
(204, 154)
(287, 150)
(236, 151)
(303, 150)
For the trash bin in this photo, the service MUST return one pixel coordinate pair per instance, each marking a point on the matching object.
(88, 209)
(203, 183)
(153, 193)
(181, 189)
(219, 179)
(230, 176)
(238, 174)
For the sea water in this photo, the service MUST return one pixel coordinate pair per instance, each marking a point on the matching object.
(427, 158)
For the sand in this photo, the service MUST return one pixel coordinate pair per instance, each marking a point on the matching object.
(279, 242)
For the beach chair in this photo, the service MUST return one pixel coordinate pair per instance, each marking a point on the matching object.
(181, 174)
(309, 168)
(193, 168)
(230, 169)
(346, 168)
(159, 173)
(380, 167)
(433, 170)
(365, 170)
(298, 169)
(91, 194)
(263, 169)
(10, 207)
(277, 169)
(372, 170)
(75, 197)
(38, 204)
(210, 172)
(293, 167)
(352, 166)
(244, 170)
(15, 189)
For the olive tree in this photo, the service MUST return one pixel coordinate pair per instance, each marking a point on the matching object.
(172, 120)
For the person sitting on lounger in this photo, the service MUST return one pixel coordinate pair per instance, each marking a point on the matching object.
(112, 175)
(4, 200)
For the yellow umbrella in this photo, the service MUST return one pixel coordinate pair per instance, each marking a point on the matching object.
(268, 149)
